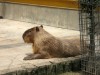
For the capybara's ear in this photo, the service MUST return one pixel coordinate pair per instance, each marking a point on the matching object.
(37, 29)
(41, 26)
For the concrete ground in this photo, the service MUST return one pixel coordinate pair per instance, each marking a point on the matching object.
(13, 49)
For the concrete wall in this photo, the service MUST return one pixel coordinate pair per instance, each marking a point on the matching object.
(43, 15)
(0, 9)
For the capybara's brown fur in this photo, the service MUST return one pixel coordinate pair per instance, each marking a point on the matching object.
(46, 45)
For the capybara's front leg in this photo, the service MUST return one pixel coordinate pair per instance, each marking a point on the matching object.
(40, 55)
(29, 57)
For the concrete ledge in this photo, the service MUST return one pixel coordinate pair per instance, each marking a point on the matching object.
(45, 67)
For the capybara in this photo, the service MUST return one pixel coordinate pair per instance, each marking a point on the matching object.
(47, 46)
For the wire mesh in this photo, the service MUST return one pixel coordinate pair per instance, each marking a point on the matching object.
(90, 36)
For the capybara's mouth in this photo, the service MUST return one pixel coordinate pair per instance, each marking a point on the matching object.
(26, 40)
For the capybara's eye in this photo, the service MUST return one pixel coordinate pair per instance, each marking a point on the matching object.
(29, 31)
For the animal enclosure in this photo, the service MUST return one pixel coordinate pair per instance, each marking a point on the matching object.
(62, 19)
(90, 32)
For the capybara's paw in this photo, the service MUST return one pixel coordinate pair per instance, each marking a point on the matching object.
(29, 54)
(28, 57)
